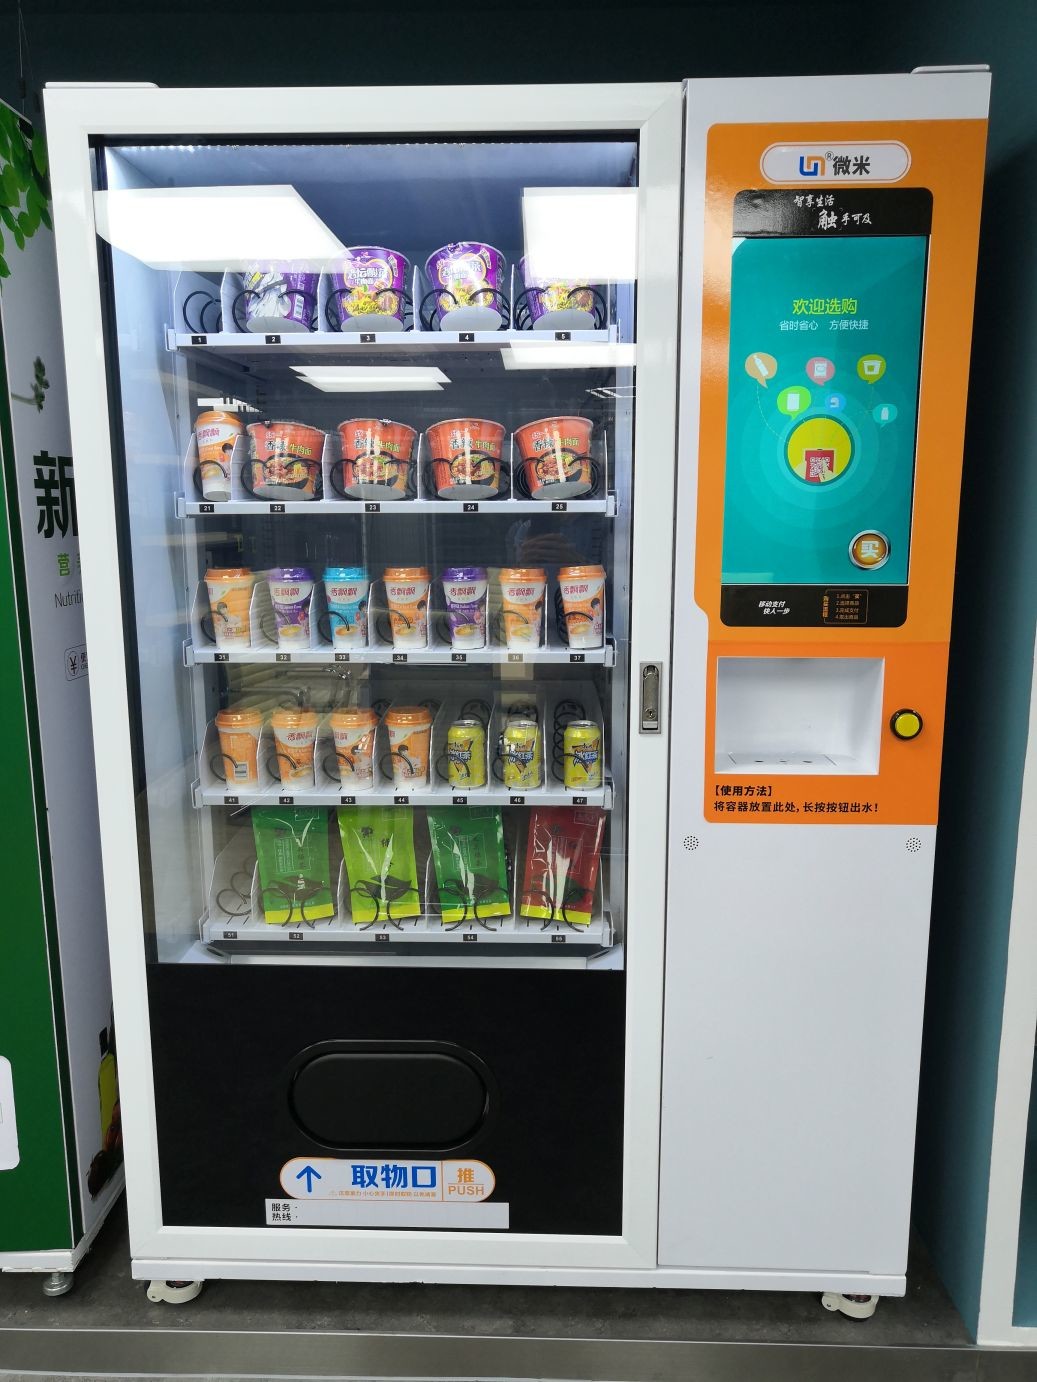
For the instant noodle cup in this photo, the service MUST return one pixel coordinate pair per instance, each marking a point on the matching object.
(295, 734)
(291, 594)
(410, 739)
(406, 593)
(345, 590)
(237, 762)
(353, 731)
(215, 434)
(556, 304)
(376, 458)
(284, 460)
(522, 591)
(464, 593)
(465, 452)
(230, 596)
(583, 604)
(468, 282)
(368, 291)
(278, 298)
(555, 457)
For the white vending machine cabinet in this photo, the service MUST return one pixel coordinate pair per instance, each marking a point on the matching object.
(376, 414)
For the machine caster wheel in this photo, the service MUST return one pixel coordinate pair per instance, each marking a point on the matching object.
(855, 1307)
(174, 1292)
(57, 1283)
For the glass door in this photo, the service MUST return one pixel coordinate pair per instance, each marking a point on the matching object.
(373, 449)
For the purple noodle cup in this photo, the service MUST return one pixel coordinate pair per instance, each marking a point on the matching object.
(468, 280)
(368, 291)
(278, 298)
(555, 304)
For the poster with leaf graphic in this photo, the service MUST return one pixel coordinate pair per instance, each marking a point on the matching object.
(63, 1166)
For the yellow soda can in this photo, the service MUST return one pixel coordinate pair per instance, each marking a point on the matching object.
(521, 754)
(466, 754)
(581, 749)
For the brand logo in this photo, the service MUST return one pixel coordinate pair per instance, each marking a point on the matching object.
(883, 161)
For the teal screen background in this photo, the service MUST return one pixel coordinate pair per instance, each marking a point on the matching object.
(779, 529)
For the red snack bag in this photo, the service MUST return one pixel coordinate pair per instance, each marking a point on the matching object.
(563, 853)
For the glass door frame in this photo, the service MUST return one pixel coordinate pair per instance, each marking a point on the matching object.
(78, 118)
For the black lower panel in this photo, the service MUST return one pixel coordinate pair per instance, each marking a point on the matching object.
(227, 1041)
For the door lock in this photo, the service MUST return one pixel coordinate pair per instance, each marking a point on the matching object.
(651, 697)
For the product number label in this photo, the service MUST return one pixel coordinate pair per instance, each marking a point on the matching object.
(367, 338)
(341, 657)
(295, 935)
(458, 657)
(230, 935)
(277, 508)
(472, 938)
(383, 940)
(403, 800)
(459, 801)
(222, 657)
(469, 508)
(579, 801)
(372, 508)
(577, 657)
(273, 340)
(286, 801)
(516, 657)
(347, 801)
(282, 657)
(563, 336)
(557, 940)
(466, 336)
(559, 506)
(231, 801)
(206, 508)
(199, 340)
(399, 657)
(517, 801)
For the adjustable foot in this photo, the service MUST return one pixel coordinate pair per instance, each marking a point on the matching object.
(854, 1306)
(174, 1292)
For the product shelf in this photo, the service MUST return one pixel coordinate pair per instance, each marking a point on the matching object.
(346, 344)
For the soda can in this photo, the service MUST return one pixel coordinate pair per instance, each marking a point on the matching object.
(581, 749)
(466, 754)
(520, 751)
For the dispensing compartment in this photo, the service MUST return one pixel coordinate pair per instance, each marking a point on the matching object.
(801, 715)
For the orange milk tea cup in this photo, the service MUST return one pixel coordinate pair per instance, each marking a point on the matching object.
(522, 590)
(353, 729)
(215, 434)
(410, 739)
(555, 457)
(583, 604)
(230, 597)
(237, 762)
(406, 593)
(295, 734)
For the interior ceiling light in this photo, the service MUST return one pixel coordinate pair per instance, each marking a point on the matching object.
(215, 228)
(372, 378)
(562, 355)
(580, 234)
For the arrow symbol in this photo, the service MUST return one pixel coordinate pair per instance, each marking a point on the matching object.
(311, 1174)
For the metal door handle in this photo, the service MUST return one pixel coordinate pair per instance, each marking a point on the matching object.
(651, 697)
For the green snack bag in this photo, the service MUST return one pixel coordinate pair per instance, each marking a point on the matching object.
(471, 865)
(381, 870)
(294, 864)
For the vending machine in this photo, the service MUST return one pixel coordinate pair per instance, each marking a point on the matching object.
(426, 931)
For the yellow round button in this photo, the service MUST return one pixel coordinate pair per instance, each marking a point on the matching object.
(906, 724)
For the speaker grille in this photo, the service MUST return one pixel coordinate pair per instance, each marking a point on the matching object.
(914, 845)
(691, 842)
